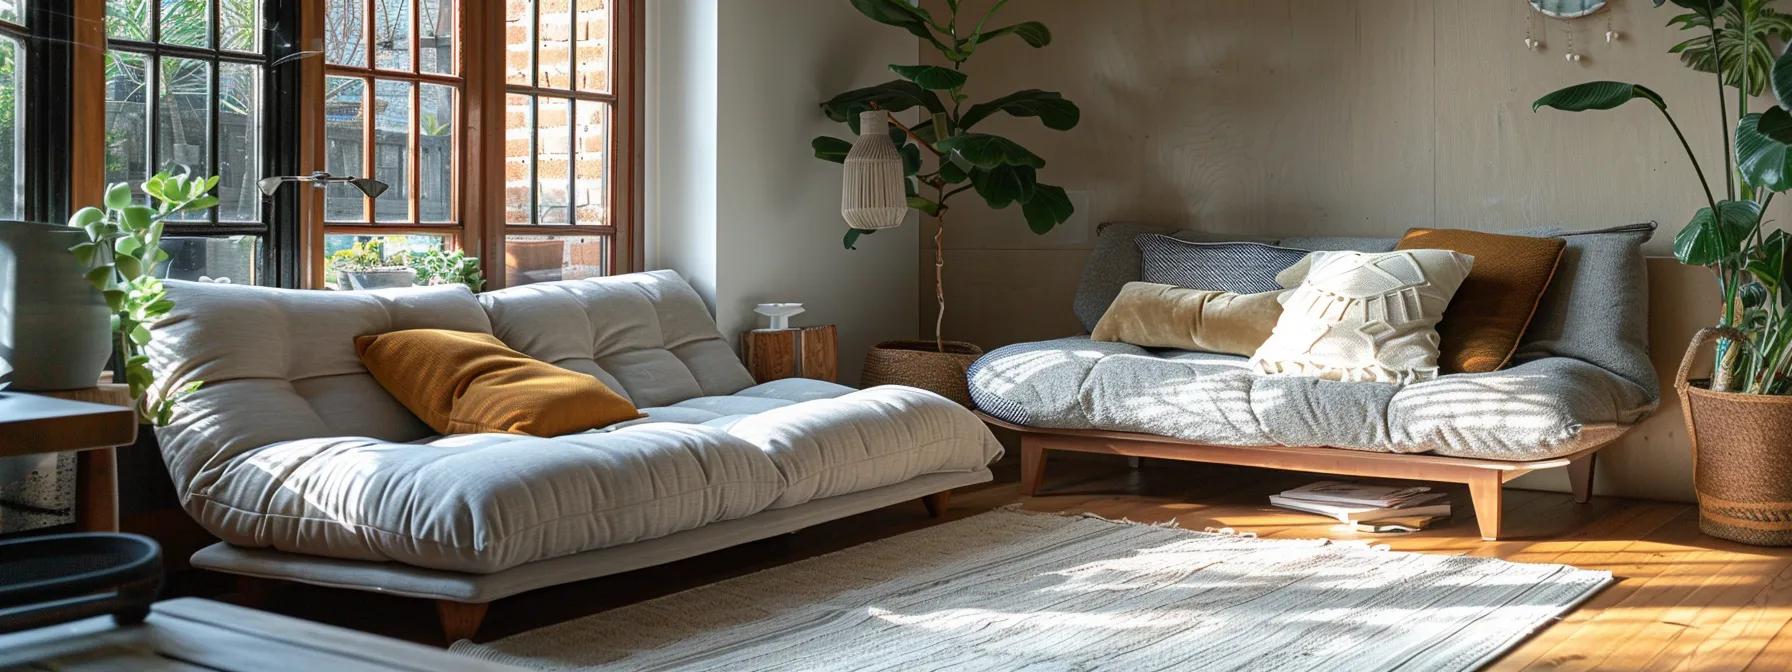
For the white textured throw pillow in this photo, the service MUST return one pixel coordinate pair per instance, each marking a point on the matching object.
(1365, 317)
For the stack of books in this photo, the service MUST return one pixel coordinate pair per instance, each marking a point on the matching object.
(1368, 506)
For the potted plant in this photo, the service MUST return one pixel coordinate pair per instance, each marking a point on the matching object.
(442, 267)
(55, 332)
(123, 254)
(366, 266)
(1739, 418)
(947, 155)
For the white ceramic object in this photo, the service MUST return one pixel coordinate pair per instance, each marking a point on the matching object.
(779, 313)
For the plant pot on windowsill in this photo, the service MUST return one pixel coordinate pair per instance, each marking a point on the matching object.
(1742, 470)
(55, 331)
(923, 364)
(376, 278)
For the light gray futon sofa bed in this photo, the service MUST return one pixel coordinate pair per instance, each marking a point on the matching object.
(308, 471)
(1580, 378)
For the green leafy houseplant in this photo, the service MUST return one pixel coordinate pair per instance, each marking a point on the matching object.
(1754, 355)
(440, 267)
(123, 254)
(997, 169)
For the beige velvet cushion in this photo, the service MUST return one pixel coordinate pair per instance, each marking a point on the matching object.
(1365, 317)
(1166, 316)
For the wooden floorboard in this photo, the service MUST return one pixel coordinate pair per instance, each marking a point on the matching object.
(1681, 600)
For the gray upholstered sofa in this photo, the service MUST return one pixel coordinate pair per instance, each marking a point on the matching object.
(1581, 377)
(307, 470)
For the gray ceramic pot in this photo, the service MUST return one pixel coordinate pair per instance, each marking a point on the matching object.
(55, 329)
(385, 278)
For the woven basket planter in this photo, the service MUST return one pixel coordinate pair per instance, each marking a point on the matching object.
(1742, 458)
(921, 364)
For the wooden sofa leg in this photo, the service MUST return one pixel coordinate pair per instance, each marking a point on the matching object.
(1485, 491)
(1580, 477)
(936, 503)
(460, 620)
(1032, 466)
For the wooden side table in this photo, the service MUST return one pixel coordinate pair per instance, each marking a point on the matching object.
(805, 352)
(92, 422)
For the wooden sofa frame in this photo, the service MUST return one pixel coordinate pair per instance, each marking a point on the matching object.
(1484, 478)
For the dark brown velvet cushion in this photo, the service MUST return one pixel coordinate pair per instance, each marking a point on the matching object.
(1483, 323)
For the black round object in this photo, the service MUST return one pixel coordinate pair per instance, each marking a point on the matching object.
(64, 577)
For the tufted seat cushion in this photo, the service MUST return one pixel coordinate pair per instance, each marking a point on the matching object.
(290, 444)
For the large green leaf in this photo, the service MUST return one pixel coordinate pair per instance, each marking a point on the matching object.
(1048, 208)
(1782, 79)
(1764, 149)
(1003, 185)
(1597, 96)
(1034, 32)
(1746, 31)
(894, 96)
(911, 159)
(830, 148)
(897, 13)
(852, 237)
(988, 151)
(1710, 238)
(931, 76)
(1706, 8)
(1052, 109)
(1769, 263)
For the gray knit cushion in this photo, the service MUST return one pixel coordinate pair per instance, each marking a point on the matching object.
(1115, 261)
(1597, 308)
(1241, 268)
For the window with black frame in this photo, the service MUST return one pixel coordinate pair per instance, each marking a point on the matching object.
(186, 90)
(14, 35)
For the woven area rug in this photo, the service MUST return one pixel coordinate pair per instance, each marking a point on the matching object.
(1010, 590)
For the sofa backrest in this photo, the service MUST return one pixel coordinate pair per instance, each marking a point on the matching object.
(280, 365)
(1596, 308)
(646, 335)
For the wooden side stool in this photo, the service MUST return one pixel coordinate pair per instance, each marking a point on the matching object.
(802, 352)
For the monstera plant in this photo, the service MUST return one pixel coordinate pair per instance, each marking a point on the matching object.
(949, 153)
(1738, 421)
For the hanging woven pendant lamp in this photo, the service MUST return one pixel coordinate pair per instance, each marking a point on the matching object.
(871, 195)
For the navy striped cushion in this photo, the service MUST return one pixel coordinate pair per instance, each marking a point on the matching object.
(1243, 268)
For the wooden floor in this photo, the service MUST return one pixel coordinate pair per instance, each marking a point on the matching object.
(1682, 600)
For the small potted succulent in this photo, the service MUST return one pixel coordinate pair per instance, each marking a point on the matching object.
(366, 266)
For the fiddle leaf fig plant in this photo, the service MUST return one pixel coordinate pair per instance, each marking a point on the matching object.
(123, 253)
(1727, 235)
(947, 154)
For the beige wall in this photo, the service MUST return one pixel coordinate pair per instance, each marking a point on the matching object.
(738, 202)
(1339, 117)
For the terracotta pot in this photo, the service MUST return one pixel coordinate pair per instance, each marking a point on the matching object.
(922, 364)
(1742, 457)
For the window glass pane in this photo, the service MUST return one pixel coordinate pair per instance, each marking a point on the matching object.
(593, 34)
(519, 41)
(545, 258)
(392, 34)
(553, 159)
(345, 43)
(553, 39)
(591, 161)
(186, 22)
(239, 24)
(233, 258)
(184, 109)
(239, 142)
(128, 19)
(11, 11)
(392, 149)
(435, 41)
(12, 128)
(435, 171)
(127, 117)
(377, 257)
(344, 124)
(519, 159)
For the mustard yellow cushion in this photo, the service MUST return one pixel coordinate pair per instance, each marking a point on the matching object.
(1166, 316)
(1491, 311)
(467, 383)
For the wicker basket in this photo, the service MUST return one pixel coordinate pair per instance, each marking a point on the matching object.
(1742, 457)
(921, 364)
